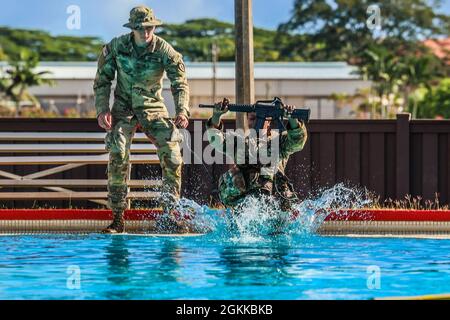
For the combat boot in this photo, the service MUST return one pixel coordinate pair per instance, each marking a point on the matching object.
(118, 224)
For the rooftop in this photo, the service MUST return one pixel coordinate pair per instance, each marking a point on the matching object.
(225, 70)
(440, 47)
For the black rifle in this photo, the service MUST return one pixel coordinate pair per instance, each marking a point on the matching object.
(268, 109)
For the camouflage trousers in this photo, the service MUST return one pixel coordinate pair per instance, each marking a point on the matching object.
(165, 136)
(234, 187)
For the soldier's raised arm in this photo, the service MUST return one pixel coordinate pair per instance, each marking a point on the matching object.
(106, 71)
(217, 138)
(294, 140)
(176, 72)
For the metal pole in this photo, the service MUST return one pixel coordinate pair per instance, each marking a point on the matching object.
(215, 56)
(245, 84)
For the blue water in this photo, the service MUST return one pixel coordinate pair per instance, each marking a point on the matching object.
(205, 267)
(235, 260)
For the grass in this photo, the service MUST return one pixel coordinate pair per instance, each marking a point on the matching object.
(410, 203)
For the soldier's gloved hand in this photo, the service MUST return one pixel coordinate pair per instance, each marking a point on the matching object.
(294, 123)
(181, 121)
(222, 106)
(289, 108)
(220, 109)
(105, 120)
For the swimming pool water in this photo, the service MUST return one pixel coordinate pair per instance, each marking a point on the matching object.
(212, 267)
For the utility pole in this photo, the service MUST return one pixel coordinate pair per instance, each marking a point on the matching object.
(245, 82)
(215, 58)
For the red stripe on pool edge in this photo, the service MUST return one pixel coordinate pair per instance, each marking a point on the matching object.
(94, 214)
(73, 214)
(390, 215)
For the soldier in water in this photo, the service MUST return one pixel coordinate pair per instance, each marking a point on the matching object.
(246, 178)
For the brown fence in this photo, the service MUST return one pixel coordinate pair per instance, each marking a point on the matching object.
(390, 157)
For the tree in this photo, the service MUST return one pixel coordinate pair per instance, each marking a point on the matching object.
(194, 39)
(22, 76)
(392, 57)
(434, 102)
(3, 56)
(382, 68)
(419, 71)
(49, 48)
(336, 30)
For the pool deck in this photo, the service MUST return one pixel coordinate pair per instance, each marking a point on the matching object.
(433, 224)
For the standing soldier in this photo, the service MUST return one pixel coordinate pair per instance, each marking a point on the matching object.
(140, 59)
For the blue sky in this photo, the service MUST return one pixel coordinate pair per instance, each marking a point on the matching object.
(104, 18)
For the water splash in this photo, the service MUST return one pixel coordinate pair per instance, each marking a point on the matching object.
(260, 218)
(255, 218)
(338, 199)
(202, 219)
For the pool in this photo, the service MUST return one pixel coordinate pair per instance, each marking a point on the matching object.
(216, 267)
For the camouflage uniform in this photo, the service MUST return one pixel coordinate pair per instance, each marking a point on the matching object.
(244, 179)
(139, 102)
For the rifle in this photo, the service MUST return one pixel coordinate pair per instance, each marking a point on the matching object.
(268, 109)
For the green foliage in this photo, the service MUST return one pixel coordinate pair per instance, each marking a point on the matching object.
(49, 48)
(336, 30)
(3, 56)
(37, 113)
(395, 77)
(392, 57)
(383, 68)
(434, 102)
(194, 39)
(20, 76)
(3, 84)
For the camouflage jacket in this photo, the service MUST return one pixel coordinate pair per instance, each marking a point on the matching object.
(246, 177)
(291, 141)
(140, 78)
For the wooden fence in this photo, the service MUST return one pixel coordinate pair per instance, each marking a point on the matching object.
(390, 157)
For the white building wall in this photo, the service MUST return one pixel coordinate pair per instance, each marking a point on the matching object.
(303, 85)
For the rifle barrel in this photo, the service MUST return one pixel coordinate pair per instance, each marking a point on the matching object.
(301, 114)
(233, 107)
(241, 107)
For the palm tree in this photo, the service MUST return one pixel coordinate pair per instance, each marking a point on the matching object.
(22, 76)
(418, 71)
(382, 68)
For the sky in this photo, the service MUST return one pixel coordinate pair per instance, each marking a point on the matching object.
(104, 18)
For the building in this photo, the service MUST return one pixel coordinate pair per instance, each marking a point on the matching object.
(304, 84)
(440, 47)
